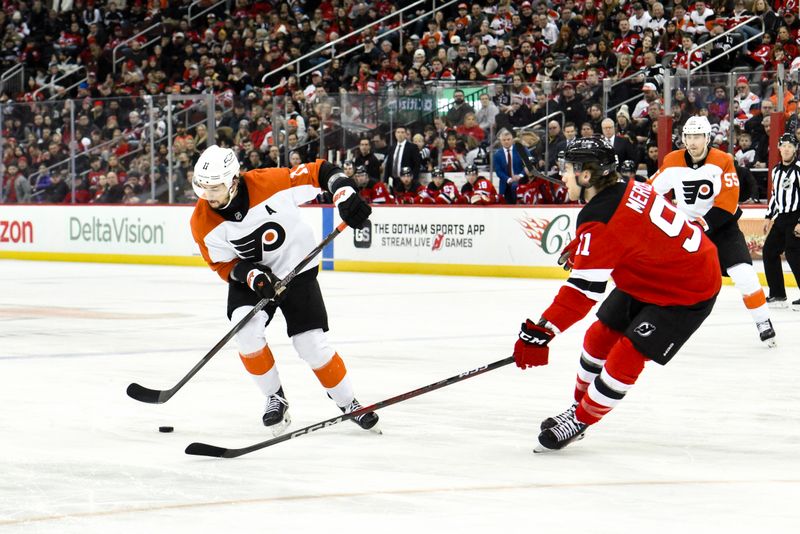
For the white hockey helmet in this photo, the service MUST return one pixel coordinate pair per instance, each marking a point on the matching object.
(694, 125)
(216, 165)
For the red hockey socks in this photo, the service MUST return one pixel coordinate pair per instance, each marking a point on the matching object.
(597, 343)
(622, 368)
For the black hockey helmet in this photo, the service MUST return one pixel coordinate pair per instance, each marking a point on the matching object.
(406, 171)
(437, 173)
(788, 138)
(595, 152)
(348, 163)
(361, 169)
(628, 166)
(471, 169)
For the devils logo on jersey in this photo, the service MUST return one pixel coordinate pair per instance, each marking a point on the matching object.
(266, 238)
(702, 189)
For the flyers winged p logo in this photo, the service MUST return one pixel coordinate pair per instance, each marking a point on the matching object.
(700, 189)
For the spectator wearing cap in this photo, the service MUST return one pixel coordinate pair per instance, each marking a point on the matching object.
(650, 92)
(640, 19)
(745, 98)
(570, 106)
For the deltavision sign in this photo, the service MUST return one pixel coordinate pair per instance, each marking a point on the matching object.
(115, 230)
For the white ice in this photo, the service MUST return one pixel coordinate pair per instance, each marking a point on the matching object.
(708, 443)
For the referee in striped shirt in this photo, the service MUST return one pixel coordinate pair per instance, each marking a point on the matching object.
(784, 236)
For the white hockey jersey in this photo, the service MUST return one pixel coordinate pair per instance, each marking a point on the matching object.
(699, 188)
(272, 232)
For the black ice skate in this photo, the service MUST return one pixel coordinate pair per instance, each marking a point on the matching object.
(766, 333)
(366, 421)
(777, 303)
(561, 435)
(276, 414)
(550, 422)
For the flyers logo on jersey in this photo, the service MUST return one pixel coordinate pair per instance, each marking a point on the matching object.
(266, 238)
(700, 189)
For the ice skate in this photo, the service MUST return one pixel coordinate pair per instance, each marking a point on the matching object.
(550, 422)
(796, 305)
(276, 414)
(777, 303)
(766, 333)
(367, 421)
(561, 435)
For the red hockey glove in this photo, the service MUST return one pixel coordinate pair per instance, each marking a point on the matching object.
(567, 258)
(531, 348)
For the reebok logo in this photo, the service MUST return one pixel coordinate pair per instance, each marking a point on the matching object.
(645, 329)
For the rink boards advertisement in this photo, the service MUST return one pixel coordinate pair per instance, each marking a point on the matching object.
(458, 240)
(481, 241)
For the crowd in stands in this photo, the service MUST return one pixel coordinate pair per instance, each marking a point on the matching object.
(92, 66)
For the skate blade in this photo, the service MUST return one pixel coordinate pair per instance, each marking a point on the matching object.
(796, 307)
(771, 343)
(539, 448)
(376, 430)
(278, 428)
(778, 305)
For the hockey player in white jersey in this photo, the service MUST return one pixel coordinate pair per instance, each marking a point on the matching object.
(250, 231)
(703, 183)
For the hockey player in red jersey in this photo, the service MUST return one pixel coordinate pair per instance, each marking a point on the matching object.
(442, 190)
(666, 275)
(704, 184)
(370, 189)
(477, 189)
(408, 190)
(250, 232)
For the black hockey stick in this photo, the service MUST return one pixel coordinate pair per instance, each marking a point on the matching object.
(527, 161)
(159, 396)
(203, 449)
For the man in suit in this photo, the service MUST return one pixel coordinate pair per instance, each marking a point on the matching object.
(508, 166)
(622, 147)
(404, 153)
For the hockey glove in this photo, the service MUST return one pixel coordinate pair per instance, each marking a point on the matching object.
(531, 348)
(567, 258)
(352, 208)
(257, 277)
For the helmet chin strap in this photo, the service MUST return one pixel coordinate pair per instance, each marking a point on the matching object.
(231, 193)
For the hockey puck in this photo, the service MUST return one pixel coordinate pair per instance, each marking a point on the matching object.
(165, 429)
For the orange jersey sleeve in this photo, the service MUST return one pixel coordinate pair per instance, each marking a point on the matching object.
(728, 197)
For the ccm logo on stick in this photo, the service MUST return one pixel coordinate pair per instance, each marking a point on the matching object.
(16, 232)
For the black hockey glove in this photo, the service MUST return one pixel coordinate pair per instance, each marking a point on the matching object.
(352, 208)
(257, 277)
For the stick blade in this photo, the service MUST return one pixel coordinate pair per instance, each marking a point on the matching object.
(143, 394)
(204, 449)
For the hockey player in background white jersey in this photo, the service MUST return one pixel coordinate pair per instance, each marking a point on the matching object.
(703, 183)
(250, 232)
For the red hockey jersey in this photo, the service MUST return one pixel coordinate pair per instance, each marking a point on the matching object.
(650, 249)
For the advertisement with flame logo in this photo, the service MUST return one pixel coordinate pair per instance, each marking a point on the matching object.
(551, 235)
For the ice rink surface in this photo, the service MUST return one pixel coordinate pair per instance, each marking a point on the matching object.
(709, 443)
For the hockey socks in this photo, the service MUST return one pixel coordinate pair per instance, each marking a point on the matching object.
(622, 368)
(746, 281)
(597, 344)
(261, 366)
